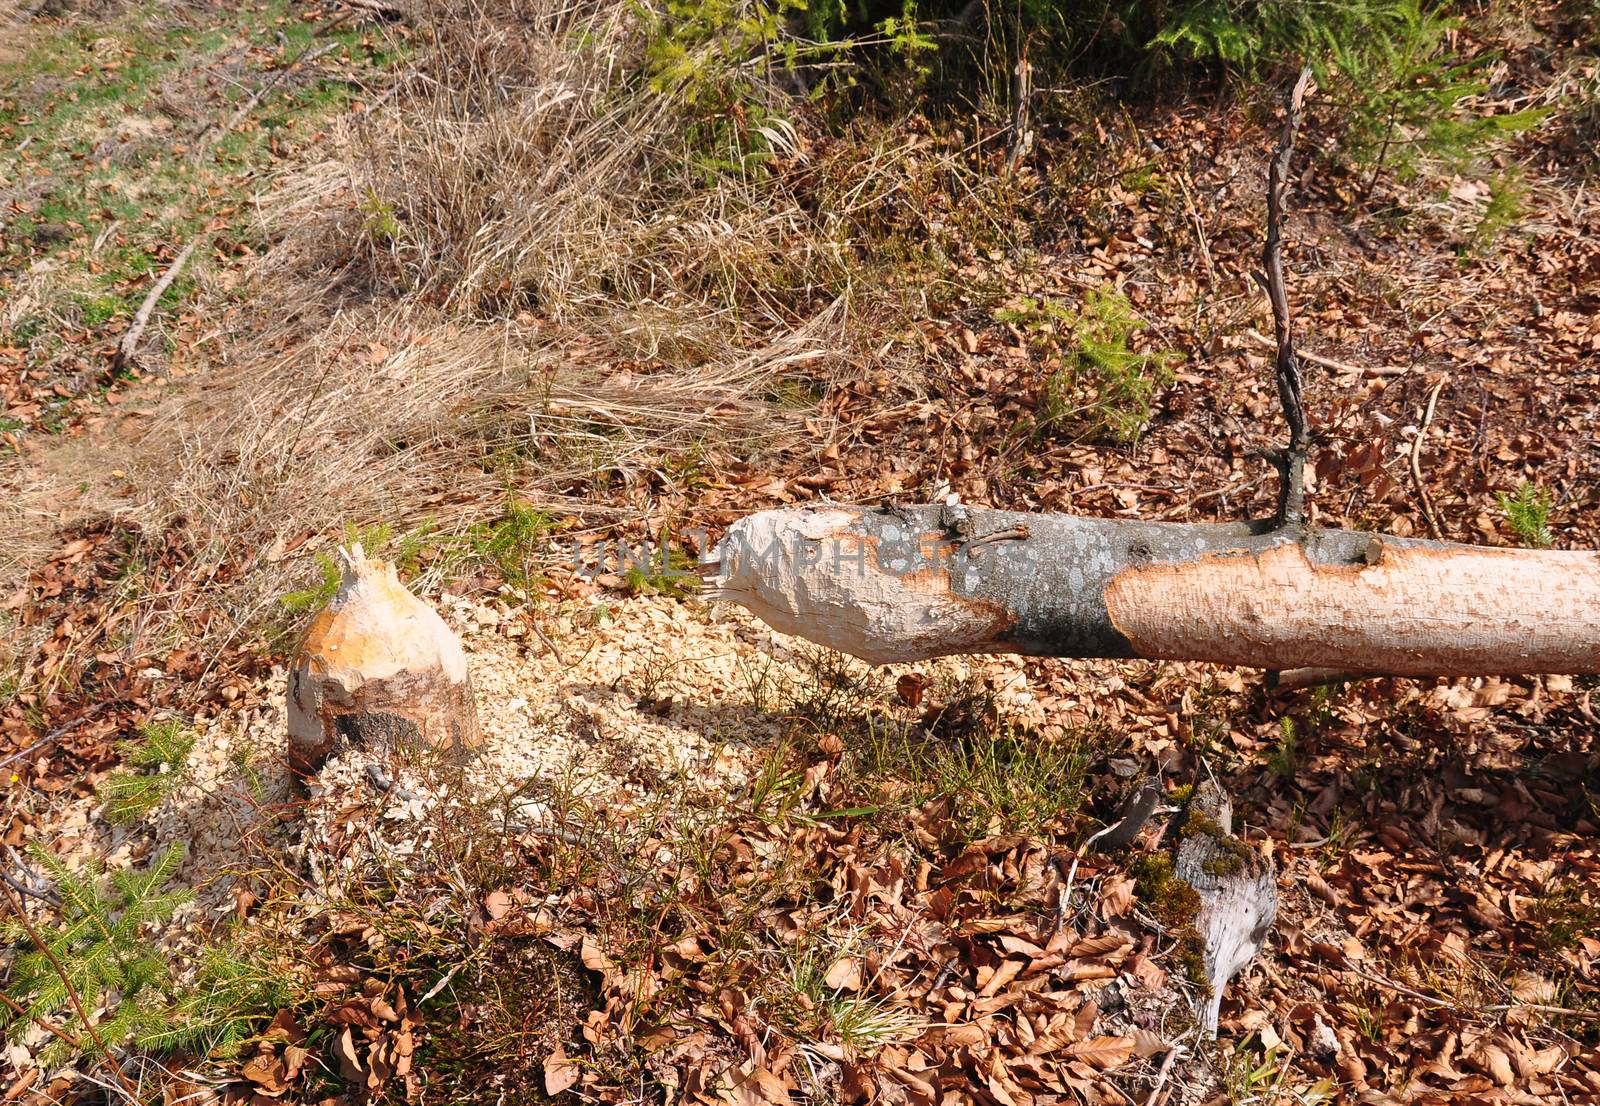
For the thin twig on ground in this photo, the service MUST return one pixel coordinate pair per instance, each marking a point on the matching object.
(42, 892)
(50, 1027)
(1329, 363)
(1214, 493)
(20, 1084)
(1171, 1058)
(305, 57)
(533, 623)
(1496, 1008)
(141, 319)
(310, 52)
(50, 738)
(1199, 230)
(1425, 501)
(1021, 94)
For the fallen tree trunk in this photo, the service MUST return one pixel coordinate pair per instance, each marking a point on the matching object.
(911, 583)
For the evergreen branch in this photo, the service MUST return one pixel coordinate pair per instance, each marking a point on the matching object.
(127, 1085)
(44, 1023)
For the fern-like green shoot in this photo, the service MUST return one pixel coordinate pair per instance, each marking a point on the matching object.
(1528, 513)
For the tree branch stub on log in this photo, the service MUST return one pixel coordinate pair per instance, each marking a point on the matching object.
(1292, 462)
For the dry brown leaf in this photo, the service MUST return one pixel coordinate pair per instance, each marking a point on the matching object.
(1147, 1044)
(1104, 945)
(1149, 973)
(285, 1028)
(1078, 970)
(1531, 987)
(1003, 974)
(344, 1049)
(1495, 1061)
(844, 974)
(267, 1071)
(964, 1035)
(497, 904)
(1019, 946)
(1085, 1017)
(1104, 1053)
(559, 1072)
(909, 688)
(856, 1084)
(593, 958)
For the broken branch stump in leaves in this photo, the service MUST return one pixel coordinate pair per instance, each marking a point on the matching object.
(911, 583)
(378, 664)
(1238, 892)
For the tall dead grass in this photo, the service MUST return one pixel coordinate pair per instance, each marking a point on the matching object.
(534, 162)
(514, 278)
(521, 274)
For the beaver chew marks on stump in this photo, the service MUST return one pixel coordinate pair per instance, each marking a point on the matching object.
(378, 664)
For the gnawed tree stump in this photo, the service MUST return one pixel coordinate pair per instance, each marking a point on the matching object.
(378, 665)
(1237, 890)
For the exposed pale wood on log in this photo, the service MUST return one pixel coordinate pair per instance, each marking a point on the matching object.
(1415, 610)
(1293, 678)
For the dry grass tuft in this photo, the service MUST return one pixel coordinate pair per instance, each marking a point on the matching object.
(533, 163)
(525, 273)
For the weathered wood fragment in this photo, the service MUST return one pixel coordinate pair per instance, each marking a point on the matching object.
(1238, 893)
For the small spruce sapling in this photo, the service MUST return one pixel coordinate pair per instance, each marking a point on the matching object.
(99, 945)
(1528, 513)
(158, 760)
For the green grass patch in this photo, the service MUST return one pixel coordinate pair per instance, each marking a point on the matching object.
(958, 772)
(112, 149)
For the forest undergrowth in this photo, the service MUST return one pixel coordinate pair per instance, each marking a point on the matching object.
(472, 283)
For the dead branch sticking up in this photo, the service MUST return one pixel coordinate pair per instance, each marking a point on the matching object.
(1238, 892)
(1291, 462)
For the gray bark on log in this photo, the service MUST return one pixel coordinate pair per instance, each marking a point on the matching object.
(911, 583)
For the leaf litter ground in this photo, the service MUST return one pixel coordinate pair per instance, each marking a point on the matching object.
(839, 928)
